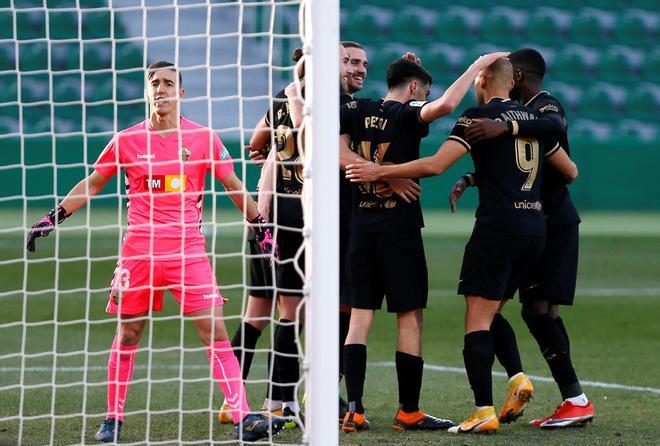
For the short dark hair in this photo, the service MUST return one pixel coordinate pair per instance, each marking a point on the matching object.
(529, 60)
(350, 44)
(157, 66)
(402, 71)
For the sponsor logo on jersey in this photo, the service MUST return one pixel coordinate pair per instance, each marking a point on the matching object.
(184, 154)
(417, 103)
(146, 156)
(549, 108)
(211, 296)
(224, 154)
(465, 121)
(165, 183)
(528, 205)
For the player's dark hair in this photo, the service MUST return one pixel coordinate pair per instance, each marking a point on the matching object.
(296, 56)
(402, 71)
(530, 61)
(350, 44)
(157, 66)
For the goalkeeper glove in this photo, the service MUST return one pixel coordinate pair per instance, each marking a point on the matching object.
(264, 236)
(44, 226)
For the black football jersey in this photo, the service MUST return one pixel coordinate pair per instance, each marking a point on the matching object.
(509, 170)
(287, 205)
(555, 196)
(385, 132)
(345, 186)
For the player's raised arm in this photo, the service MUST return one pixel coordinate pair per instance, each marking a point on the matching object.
(447, 154)
(453, 96)
(562, 162)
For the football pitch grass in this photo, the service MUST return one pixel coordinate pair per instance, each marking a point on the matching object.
(615, 340)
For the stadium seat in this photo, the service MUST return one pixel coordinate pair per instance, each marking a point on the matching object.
(128, 55)
(410, 26)
(7, 56)
(66, 88)
(30, 25)
(33, 56)
(98, 87)
(547, 26)
(9, 90)
(456, 25)
(36, 119)
(95, 24)
(6, 24)
(568, 95)
(637, 130)
(619, 65)
(368, 24)
(591, 26)
(130, 86)
(635, 27)
(501, 26)
(651, 67)
(62, 25)
(68, 118)
(97, 56)
(602, 101)
(643, 103)
(590, 129)
(34, 88)
(65, 56)
(574, 64)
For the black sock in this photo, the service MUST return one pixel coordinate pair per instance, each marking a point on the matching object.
(409, 370)
(560, 323)
(553, 347)
(275, 391)
(244, 346)
(344, 323)
(506, 347)
(478, 355)
(355, 368)
(286, 367)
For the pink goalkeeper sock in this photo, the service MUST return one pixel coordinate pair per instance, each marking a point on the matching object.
(120, 370)
(227, 374)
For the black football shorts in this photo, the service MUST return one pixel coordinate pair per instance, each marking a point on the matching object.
(387, 264)
(495, 266)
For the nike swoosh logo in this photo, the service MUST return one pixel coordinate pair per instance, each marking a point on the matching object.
(476, 426)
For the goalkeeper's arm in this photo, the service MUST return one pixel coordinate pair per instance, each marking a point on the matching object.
(74, 200)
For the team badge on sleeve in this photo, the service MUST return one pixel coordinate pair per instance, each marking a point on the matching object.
(184, 154)
(224, 154)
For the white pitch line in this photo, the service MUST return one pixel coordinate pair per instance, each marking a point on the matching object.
(442, 368)
(580, 292)
(433, 367)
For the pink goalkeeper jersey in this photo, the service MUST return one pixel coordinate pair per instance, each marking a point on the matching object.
(165, 177)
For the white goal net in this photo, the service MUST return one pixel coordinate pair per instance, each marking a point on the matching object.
(73, 75)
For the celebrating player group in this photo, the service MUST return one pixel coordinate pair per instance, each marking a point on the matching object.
(525, 238)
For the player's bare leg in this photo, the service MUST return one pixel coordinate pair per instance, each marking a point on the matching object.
(285, 365)
(478, 355)
(355, 366)
(120, 370)
(409, 370)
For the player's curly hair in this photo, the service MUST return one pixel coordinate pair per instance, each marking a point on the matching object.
(296, 56)
(402, 71)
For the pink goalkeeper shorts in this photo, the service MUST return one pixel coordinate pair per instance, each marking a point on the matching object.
(138, 285)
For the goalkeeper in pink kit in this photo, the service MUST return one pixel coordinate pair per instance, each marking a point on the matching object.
(165, 160)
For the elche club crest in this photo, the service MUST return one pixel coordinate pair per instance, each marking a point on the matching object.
(184, 154)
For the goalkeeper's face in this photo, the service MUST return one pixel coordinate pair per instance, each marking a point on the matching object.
(164, 91)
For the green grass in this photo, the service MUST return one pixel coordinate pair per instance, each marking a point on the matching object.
(614, 330)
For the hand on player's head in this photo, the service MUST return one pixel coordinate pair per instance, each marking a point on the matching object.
(486, 60)
(412, 57)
